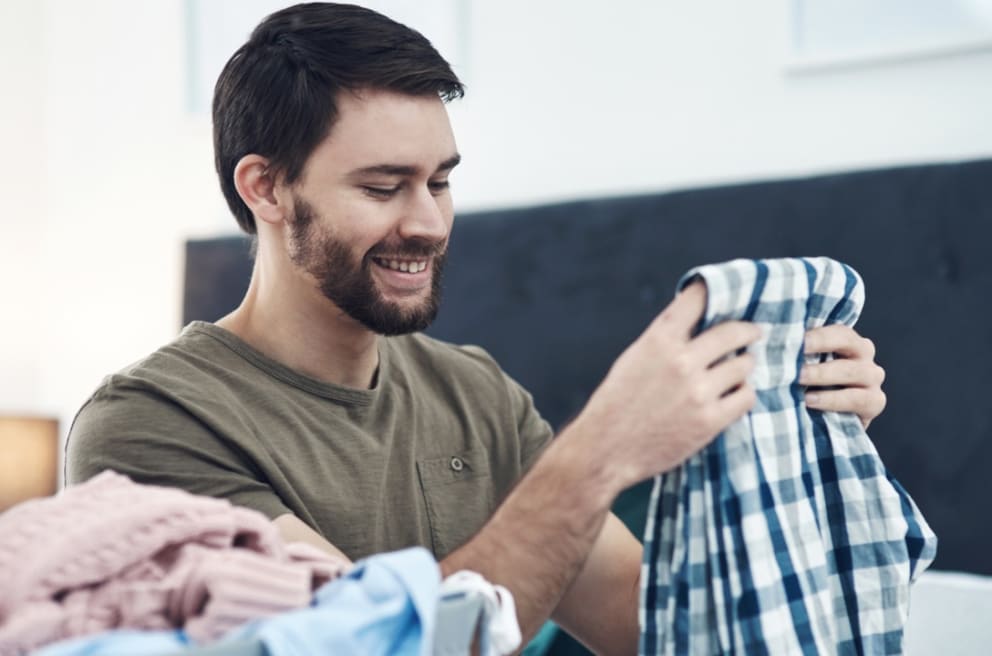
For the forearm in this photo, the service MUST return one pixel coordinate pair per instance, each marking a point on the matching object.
(600, 607)
(538, 539)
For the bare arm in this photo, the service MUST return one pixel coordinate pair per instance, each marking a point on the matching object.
(600, 607)
(292, 529)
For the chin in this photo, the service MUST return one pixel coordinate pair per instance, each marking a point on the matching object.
(391, 319)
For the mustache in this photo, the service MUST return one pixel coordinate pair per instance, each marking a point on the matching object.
(409, 249)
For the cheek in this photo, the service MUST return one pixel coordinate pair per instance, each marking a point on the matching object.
(364, 224)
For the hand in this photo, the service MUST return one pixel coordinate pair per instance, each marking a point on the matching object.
(669, 394)
(854, 371)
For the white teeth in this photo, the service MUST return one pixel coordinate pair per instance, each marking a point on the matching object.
(406, 267)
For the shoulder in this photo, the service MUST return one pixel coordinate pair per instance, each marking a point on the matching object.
(465, 353)
(199, 352)
(464, 370)
(192, 365)
(160, 397)
(423, 351)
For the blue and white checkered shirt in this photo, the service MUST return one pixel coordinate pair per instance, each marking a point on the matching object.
(785, 535)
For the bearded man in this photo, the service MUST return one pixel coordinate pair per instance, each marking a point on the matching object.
(318, 402)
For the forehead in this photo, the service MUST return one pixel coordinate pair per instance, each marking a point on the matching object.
(382, 127)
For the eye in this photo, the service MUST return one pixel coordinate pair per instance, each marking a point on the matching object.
(380, 193)
(438, 186)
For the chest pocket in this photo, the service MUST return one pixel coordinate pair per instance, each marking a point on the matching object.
(458, 492)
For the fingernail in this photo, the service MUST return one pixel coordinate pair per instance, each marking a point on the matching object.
(812, 398)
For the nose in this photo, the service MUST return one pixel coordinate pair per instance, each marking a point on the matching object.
(426, 216)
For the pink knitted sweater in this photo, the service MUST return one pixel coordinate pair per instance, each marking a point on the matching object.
(113, 554)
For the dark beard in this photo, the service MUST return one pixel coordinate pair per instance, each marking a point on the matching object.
(349, 284)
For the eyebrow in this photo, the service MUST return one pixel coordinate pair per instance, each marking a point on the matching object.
(404, 169)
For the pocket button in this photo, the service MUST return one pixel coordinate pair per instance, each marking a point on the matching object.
(457, 464)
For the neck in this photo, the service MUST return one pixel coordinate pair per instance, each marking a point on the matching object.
(295, 325)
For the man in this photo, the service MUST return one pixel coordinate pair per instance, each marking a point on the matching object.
(318, 403)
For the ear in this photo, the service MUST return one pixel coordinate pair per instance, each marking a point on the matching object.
(257, 186)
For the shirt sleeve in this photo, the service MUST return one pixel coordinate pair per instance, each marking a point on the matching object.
(155, 441)
(535, 433)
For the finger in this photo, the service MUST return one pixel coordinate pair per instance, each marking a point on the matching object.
(684, 313)
(840, 339)
(866, 403)
(729, 374)
(713, 344)
(735, 405)
(859, 373)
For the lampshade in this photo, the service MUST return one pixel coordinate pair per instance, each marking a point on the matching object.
(28, 458)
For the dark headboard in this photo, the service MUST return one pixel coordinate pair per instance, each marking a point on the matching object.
(556, 292)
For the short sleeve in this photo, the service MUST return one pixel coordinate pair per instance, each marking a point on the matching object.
(155, 441)
(535, 432)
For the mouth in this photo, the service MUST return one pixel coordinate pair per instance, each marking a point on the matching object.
(403, 276)
(403, 265)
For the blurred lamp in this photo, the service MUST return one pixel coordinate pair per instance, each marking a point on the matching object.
(28, 458)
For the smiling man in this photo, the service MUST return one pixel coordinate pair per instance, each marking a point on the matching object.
(391, 285)
(318, 402)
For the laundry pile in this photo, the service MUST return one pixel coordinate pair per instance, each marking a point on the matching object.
(114, 567)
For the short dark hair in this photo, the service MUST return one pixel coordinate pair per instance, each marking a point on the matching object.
(276, 96)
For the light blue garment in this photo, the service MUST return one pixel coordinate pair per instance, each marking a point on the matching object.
(149, 643)
(387, 604)
(120, 643)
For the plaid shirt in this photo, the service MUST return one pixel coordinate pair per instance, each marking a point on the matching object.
(785, 535)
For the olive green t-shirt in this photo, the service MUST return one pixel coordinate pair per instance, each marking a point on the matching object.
(423, 458)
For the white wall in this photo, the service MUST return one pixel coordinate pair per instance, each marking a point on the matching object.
(105, 174)
(23, 203)
(589, 98)
(128, 176)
